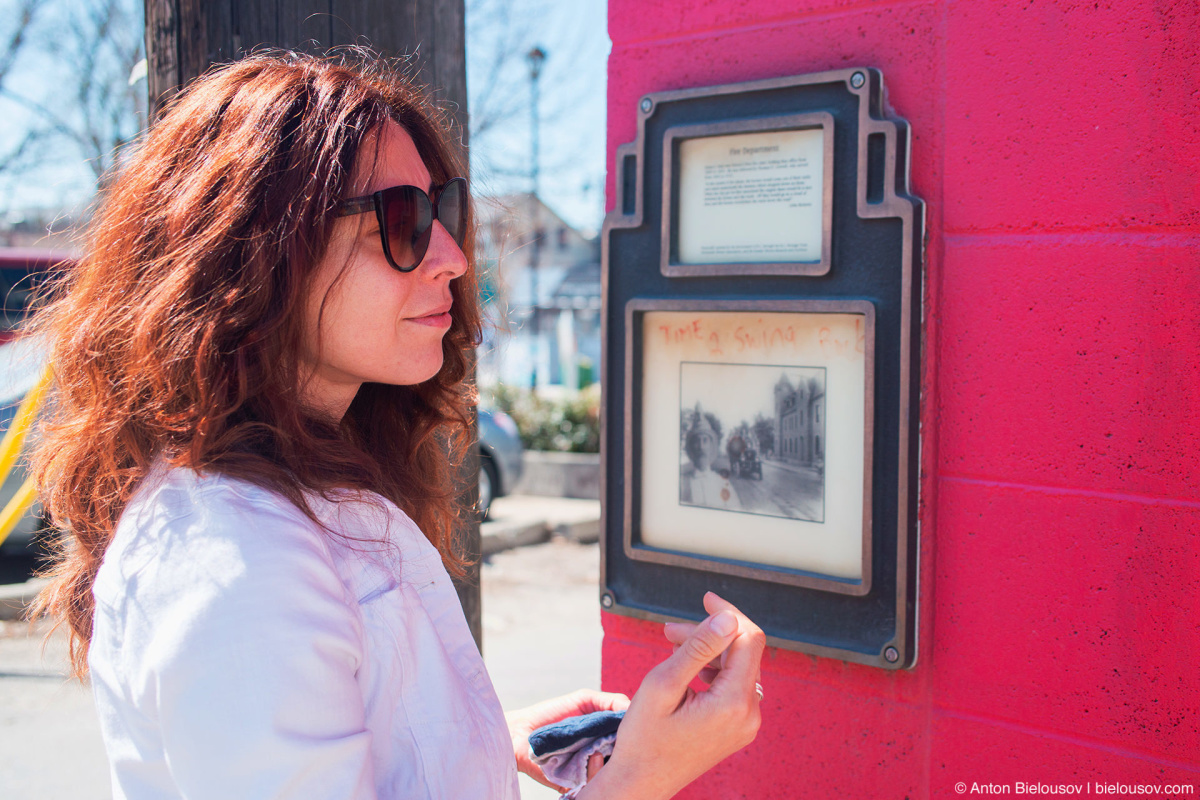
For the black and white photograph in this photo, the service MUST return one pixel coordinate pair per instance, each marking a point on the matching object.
(755, 437)
(759, 449)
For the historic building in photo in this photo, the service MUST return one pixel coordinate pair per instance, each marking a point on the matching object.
(799, 421)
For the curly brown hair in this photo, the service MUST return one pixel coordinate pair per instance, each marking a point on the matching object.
(177, 336)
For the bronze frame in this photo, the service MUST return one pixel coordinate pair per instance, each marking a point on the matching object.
(762, 572)
(793, 122)
(897, 202)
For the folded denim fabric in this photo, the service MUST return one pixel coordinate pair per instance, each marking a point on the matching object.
(563, 748)
(560, 736)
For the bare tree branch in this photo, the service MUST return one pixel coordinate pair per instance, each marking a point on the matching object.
(500, 35)
(498, 47)
(58, 124)
(500, 38)
(91, 51)
(24, 20)
(17, 159)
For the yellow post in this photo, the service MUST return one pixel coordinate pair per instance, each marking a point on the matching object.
(16, 508)
(10, 448)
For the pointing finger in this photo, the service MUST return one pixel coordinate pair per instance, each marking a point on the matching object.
(704, 644)
(741, 661)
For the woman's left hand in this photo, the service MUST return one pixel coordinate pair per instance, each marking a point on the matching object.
(525, 721)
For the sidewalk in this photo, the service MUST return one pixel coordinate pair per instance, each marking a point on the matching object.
(520, 520)
(16, 597)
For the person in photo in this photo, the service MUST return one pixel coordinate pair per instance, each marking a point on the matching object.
(699, 483)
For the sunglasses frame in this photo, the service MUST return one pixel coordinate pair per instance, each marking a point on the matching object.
(361, 205)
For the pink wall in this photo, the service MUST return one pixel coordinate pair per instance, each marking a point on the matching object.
(1057, 145)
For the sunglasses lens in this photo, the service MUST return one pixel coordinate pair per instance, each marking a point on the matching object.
(409, 218)
(452, 209)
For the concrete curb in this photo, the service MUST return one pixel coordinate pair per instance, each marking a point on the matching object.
(582, 531)
(16, 598)
(507, 536)
(573, 475)
(520, 520)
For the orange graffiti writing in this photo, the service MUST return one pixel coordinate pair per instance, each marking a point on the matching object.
(763, 338)
(833, 346)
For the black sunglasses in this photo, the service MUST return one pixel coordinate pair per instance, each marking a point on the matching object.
(406, 216)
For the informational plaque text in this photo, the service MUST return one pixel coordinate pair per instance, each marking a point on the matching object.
(751, 198)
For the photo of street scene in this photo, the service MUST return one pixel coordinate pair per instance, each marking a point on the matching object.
(752, 439)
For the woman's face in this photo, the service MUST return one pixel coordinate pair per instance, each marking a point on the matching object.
(701, 449)
(364, 320)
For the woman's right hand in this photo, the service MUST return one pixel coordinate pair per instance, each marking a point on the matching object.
(671, 734)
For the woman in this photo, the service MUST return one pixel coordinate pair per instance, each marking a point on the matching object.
(258, 374)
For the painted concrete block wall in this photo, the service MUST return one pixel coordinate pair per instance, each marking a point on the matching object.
(1057, 145)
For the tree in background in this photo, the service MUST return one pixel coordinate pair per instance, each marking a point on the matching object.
(15, 152)
(70, 91)
(743, 431)
(72, 96)
(764, 431)
(500, 35)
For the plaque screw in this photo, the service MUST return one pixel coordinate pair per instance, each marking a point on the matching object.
(607, 600)
(892, 655)
(857, 80)
(646, 105)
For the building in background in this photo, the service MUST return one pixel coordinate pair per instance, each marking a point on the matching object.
(541, 291)
(798, 427)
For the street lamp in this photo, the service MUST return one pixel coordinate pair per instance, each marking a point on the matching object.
(535, 57)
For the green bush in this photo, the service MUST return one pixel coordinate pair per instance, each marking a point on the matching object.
(568, 425)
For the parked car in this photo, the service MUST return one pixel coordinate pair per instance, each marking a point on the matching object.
(500, 455)
(22, 362)
(21, 270)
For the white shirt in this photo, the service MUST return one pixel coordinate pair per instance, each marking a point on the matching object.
(241, 651)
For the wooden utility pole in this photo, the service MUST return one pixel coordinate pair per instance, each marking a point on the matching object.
(185, 37)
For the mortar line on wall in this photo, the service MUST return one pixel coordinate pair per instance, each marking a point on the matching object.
(1130, 497)
(1089, 742)
(1143, 238)
(772, 24)
(935, 254)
